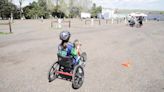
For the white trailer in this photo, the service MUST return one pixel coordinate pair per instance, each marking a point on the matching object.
(85, 15)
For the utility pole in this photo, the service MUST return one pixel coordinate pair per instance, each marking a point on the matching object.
(11, 14)
(20, 3)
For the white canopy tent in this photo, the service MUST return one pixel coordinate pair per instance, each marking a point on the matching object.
(137, 14)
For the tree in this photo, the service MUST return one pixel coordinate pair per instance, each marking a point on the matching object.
(74, 12)
(49, 4)
(45, 9)
(162, 12)
(63, 7)
(26, 12)
(36, 10)
(71, 3)
(33, 11)
(60, 10)
(95, 10)
(6, 8)
(58, 13)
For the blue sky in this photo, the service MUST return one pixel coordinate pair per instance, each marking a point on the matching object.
(124, 4)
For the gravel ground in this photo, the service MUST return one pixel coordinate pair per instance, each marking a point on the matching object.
(27, 54)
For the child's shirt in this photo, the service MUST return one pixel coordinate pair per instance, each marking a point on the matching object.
(62, 53)
(74, 52)
(65, 52)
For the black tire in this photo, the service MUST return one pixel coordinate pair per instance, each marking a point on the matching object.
(83, 59)
(52, 73)
(78, 77)
(83, 56)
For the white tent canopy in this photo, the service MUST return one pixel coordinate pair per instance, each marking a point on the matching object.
(137, 14)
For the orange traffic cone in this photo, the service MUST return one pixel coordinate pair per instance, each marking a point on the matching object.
(127, 64)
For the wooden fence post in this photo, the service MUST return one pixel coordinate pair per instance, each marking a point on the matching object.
(51, 24)
(10, 27)
(69, 23)
(99, 22)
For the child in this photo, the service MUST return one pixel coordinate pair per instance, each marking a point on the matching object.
(64, 48)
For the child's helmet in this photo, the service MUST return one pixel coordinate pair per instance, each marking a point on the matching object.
(65, 35)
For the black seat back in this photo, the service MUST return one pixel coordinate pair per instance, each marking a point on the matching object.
(65, 61)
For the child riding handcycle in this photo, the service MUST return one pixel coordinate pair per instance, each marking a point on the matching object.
(70, 61)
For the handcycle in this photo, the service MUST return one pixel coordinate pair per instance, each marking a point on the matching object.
(65, 69)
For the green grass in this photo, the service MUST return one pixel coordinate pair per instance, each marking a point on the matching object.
(4, 33)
